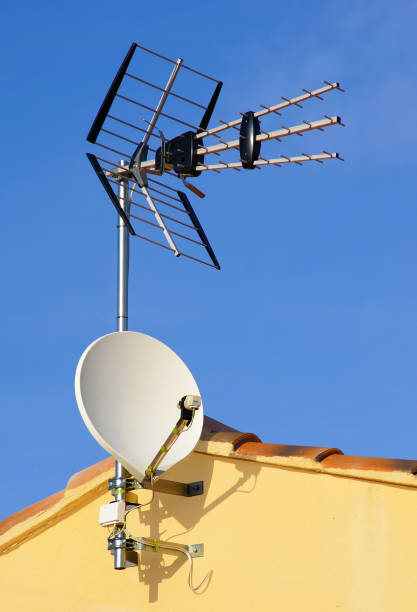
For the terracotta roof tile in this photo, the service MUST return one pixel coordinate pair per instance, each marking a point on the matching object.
(245, 438)
(261, 449)
(215, 431)
(379, 464)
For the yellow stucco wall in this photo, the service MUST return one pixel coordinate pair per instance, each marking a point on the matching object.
(276, 538)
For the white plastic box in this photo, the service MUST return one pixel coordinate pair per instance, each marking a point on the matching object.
(112, 513)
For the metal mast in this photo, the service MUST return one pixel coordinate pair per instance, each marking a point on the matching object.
(122, 325)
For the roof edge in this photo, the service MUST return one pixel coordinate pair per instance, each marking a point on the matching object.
(219, 440)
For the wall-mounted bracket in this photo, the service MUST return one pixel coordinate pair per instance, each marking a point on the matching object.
(132, 501)
(184, 489)
(131, 546)
(194, 550)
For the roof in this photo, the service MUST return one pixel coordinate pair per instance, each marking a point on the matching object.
(217, 439)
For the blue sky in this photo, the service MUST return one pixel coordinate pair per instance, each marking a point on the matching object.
(308, 334)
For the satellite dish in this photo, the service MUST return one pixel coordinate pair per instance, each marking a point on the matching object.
(127, 386)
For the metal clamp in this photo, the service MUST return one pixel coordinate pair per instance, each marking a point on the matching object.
(124, 550)
(139, 156)
(117, 485)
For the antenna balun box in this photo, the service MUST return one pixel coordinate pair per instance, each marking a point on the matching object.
(112, 513)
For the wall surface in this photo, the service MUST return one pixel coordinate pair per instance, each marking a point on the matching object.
(275, 537)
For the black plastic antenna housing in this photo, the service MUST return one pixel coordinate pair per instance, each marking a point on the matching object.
(198, 227)
(111, 94)
(249, 147)
(210, 108)
(103, 180)
(181, 155)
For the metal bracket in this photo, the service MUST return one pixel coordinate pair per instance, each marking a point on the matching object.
(138, 157)
(132, 558)
(132, 546)
(185, 489)
(131, 501)
(194, 550)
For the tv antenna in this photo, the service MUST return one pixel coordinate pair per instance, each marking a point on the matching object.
(148, 426)
(163, 206)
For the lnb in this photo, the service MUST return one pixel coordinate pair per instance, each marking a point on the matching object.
(189, 402)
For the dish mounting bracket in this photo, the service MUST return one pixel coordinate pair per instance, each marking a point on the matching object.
(125, 548)
(172, 487)
(131, 546)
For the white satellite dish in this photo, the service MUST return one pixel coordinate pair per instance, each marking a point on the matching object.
(127, 386)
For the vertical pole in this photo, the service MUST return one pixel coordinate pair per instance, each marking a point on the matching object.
(122, 323)
(123, 257)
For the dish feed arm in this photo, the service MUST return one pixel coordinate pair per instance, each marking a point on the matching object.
(188, 405)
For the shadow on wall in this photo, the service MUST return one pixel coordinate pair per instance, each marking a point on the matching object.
(187, 511)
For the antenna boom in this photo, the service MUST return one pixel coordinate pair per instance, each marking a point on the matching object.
(279, 161)
(272, 109)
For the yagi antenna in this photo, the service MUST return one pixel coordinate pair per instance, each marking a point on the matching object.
(163, 211)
